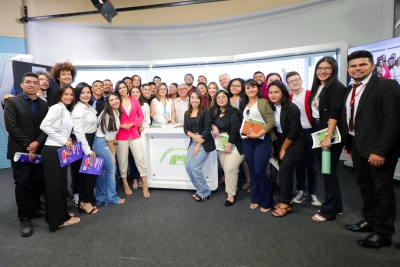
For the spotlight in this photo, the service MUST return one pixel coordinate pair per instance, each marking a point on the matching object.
(106, 9)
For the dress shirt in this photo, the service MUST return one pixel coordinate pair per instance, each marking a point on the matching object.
(85, 122)
(277, 116)
(181, 106)
(160, 110)
(146, 113)
(31, 102)
(57, 125)
(298, 100)
(360, 89)
(315, 103)
(43, 97)
(109, 136)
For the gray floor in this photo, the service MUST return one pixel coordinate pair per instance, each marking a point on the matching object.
(170, 229)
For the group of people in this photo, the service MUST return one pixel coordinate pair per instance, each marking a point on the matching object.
(108, 122)
(388, 67)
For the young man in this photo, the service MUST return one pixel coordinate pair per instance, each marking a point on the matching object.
(202, 79)
(306, 169)
(181, 103)
(189, 82)
(23, 115)
(43, 85)
(129, 82)
(224, 80)
(153, 89)
(156, 80)
(371, 134)
(147, 93)
(97, 100)
(108, 87)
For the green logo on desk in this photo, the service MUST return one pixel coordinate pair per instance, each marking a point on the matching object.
(175, 159)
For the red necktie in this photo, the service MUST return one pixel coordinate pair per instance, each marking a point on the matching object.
(352, 100)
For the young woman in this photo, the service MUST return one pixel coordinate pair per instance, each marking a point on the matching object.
(292, 141)
(206, 98)
(226, 119)
(326, 101)
(104, 147)
(273, 76)
(197, 125)
(136, 81)
(58, 126)
(162, 109)
(137, 94)
(212, 90)
(257, 146)
(128, 137)
(173, 91)
(85, 125)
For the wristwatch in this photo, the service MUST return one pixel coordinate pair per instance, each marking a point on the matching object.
(326, 134)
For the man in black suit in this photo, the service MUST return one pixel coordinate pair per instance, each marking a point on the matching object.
(97, 100)
(23, 115)
(372, 135)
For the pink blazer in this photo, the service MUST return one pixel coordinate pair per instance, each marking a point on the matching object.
(135, 116)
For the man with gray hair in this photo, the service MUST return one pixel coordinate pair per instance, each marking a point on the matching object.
(181, 103)
(224, 80)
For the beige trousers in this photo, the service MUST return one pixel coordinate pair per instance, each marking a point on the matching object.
(136, 147)
(230, 163)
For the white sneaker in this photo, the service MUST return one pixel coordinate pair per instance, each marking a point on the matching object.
(300, 197)
(76, 200)
(315, 201)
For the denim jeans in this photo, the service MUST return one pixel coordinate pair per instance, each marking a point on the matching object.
(106, 193)
(194, 165)
(306, 169)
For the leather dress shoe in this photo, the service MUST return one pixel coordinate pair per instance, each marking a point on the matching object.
(361, 226)
(38, 213)
(375, 240)
(26, 228)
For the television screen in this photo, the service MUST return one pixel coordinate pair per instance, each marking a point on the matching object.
(386, 57)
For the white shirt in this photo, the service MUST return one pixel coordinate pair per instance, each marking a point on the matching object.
(298, 100)
(85, 122)
(57, 125)
(254, 114)
(109, 136)
(360, 89)
(181, 106)
(129, 108)
(146, 113)
(315, 103)
(277, 116)
(159, 117)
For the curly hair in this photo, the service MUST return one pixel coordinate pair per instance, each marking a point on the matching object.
(56, 70)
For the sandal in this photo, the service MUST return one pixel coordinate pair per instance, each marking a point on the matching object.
(253, 206)
(265, 210)
(248, 190)
(135, 185)
(202, 199)
(67, 223)
(94, 210)
(140, 182)
(146, 194)
(281, 211)
(121, 201)
(319, 218)
(246, 185)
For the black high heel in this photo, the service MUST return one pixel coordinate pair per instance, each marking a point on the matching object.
(229, 203)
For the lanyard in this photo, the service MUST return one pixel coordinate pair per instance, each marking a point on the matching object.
(354, 98)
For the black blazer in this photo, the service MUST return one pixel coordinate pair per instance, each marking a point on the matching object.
(204, 123)
(51, 96)
(377, 119)
(99, 105)
(331, 104)
(232, 123)
(292, 130)
(22, 129)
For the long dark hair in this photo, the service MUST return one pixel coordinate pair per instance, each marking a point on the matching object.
(61, 92)
(316, 82)
(78, 90)
(201, 107)
(285, 101)
(116, 90)
(207, 94)
(111, 124)
(245, 98)
(242, 87)
(215, 110)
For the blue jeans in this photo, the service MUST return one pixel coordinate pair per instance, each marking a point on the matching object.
(257, 153)
(194, 165)
(106, 193)
(307, 164)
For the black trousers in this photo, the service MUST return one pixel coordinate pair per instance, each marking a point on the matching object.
(84, 184)
(28, 180)
(55, 179)
(333, 197)
(286, 170)
(376, 184)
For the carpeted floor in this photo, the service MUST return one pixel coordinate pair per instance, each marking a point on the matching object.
(171, 229)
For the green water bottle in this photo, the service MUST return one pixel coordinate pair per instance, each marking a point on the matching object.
(326, 161)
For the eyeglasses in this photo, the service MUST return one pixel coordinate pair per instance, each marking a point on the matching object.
(294, 81)
(324, 68)
(30, 82)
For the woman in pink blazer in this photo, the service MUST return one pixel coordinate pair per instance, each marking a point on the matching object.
(128, 137)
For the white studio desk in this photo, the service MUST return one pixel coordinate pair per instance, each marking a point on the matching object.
(165, 151)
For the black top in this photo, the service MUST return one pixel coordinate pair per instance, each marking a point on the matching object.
(220, 125)
(232, 122)
(100, 103)
(204, 123)
(193, 125)
(148, 100)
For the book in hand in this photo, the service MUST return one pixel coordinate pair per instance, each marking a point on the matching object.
(222, 141)
(319, 136)
(68, 156)
(94, 167)
(24, 157)
(255, 125)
